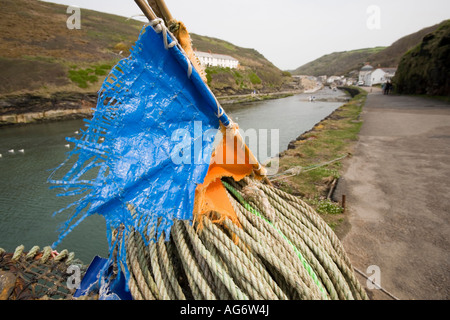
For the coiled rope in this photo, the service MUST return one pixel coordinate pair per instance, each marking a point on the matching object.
(281, 250)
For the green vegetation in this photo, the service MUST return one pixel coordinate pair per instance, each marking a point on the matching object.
(342, 63)
(326, 206)
(82, 77)
(226, 81)
(59, 59)
(255, 71)
(254, 79)
(338, 63)
(319, 153)
(424, 69)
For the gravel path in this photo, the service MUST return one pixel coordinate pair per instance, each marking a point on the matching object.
(397, 188)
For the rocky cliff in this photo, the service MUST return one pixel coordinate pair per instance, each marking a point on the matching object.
(29, 108)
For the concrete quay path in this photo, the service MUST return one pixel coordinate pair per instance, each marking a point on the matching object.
(397, 188)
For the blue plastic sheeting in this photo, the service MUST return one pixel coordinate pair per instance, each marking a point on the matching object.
(145, 144)
(96, 280)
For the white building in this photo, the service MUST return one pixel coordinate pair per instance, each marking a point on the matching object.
(364, 75)
(216, 60)
(369, 77)
(382, 75)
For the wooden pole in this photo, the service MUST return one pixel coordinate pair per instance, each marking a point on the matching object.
(155, 8)
(146, 9)
(149, 13)
(165, 11)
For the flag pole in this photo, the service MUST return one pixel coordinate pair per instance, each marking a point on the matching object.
(146, 9)
(165, 11)
(149, 13)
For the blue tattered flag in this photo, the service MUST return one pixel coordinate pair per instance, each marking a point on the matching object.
(138, 150)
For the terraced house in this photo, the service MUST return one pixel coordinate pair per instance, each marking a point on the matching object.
(208, 59)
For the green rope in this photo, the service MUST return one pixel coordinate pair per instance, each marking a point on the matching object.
(285, 253)
(300, 256)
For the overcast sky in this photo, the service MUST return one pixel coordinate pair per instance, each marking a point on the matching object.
(291, 33)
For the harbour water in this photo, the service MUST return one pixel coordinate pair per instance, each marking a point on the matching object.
(290, 116)
(29, 153)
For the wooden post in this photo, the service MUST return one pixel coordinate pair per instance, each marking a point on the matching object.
(149, 13)
(330, 192)
(145, 8)
(165, 11)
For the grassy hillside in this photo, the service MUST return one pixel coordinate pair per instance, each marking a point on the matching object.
(40, 55)
(337, 63)
(425, 68)
(391, 56)
(256, 72)
(341, 63)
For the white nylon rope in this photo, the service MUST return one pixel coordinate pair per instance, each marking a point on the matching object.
(158, 26)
